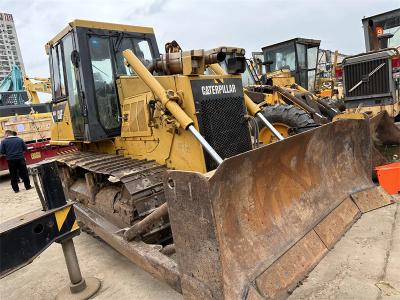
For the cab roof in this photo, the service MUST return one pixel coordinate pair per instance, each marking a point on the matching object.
(97, 25)
(383, 16)
(310, 42)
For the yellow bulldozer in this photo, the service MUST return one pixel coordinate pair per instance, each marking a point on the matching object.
(170, 175)
(279, 88)
(286, 89)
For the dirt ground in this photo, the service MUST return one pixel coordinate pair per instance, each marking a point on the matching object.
(365, 264)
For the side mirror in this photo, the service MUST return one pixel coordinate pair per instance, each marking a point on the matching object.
(268, 62)
(267, 65)
(384, 40)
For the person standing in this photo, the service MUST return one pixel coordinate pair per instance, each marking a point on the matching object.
(13, 148)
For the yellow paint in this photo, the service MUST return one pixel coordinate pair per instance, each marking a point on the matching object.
(266, 136)
(42, 85)
(165, 141)
(166, 96)
(96, 25)
(168, 143)
(353, 116)
(61, 215)
(36, 155)
(283, 81)
(392, 109)
(32, 117)
(135, 116)
(75, 226)
(62, 131)
(326, 93)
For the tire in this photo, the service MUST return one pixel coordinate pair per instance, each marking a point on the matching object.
(295, 119)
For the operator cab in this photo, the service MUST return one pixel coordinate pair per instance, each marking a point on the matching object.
(85, 61)
(298, 55)
(382, 31)
(371, 80)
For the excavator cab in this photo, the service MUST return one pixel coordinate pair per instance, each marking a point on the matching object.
(85, 60)
(299, 55)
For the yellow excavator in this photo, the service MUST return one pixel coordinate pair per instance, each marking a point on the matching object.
(170, 175)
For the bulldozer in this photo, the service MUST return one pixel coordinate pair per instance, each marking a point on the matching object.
(286, 89)
(371, 82)
(277, 80)
(168, 173)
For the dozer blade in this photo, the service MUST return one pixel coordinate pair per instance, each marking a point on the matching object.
(264, 219)
(383, 130)
(386, 138)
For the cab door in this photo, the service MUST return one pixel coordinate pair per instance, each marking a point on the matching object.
(65, 86)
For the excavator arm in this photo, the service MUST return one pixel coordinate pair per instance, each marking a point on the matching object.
(34, 85)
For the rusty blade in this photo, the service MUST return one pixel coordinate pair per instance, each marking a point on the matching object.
(385, 135)
(383, 130)
(231, 226)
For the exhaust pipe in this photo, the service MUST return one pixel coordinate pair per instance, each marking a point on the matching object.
(172, 63)
(214, 58)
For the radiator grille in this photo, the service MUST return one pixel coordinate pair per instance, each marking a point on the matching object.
(377, 84)
(223, 125)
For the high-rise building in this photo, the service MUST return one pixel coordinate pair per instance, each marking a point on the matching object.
(10, 52)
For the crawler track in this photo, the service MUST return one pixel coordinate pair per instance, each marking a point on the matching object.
(120, 189)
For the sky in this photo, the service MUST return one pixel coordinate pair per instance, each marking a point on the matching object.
(250, 24)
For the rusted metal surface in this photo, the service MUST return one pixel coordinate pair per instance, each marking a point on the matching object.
(283, 275)
(147, 223)
(331, 229)
(253, 294)
(136, 175)
(144, 255)
(384, 133)
(115, 192)
(383, 129)
(195, 238)
(372, 198)
(231, 226)
(122, 189)
(168, 250)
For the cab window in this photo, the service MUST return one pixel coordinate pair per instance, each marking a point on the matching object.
(57, 72)
(72, 86)
(140, 47)
(282, 58)
(104, 82)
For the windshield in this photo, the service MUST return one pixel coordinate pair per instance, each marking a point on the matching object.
(140, 47)
(282, 58)
(395, 40)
